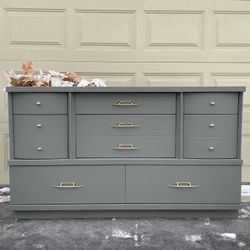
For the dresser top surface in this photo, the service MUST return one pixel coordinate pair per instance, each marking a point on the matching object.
(126, 89)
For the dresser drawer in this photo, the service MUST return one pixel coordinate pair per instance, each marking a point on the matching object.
(40, 147)
(93, 184)
(40, 103)
(92, 125)
(125, 103)
(210, 125)
(40, 125)
(125, 146)
(210, 147)
(201, 184)
(211, 103)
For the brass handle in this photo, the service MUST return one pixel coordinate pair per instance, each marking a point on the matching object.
(38, 103)
(39, 125)
(126, 125)
(183, 184)
(125, 103)
(67, 184)
(211, 125)
(211, 148)
(39, 148)
(126, 147)
(212, 103)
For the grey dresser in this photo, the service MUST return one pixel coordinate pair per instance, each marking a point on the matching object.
(107, 152)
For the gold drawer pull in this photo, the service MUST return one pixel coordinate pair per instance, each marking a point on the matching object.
(183, 184)
(126, 125)
(39, 125)
(212, 103)
(211, 125)
(38, 103)
(39, 148)
(67, 184)
(126, 147)
(211, 148)
(125, 103)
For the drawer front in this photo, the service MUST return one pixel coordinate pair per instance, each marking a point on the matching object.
(40, 103)
(201, 184)
(210, 147)
(210, 125)
(92, 125)
(40, 125)
(125, 103)
(93, 184)
(40, 147)
(125, 146)
(211, 103)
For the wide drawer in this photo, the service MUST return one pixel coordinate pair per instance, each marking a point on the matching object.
(210, 125)
(46, 147)
(210, 147)
(40, 125)
(125, 103)
(67, 184)
(125, 146)
(211, 103)
(183, 184)
(92, 125)
(40, 103)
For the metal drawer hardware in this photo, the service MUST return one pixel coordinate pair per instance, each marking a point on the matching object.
(211, 148)
(211, 125)
(39, 125)
(212, 103)
(126, 125)
(125, 103)
(39, 148)
(67, 184)
(183, 184)
(38, 103)
(126, 147)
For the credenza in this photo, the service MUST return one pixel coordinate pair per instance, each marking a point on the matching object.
(125, 151)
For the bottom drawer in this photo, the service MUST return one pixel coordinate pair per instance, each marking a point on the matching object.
(196, 184)
(54, 184)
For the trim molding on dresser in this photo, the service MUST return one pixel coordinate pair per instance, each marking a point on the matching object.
(125, 151)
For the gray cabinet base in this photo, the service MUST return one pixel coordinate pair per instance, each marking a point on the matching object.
(126, 214)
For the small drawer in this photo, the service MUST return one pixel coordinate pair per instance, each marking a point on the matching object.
(93, 125)
(40, 103)
(42, 147)
(183, 184)
(210, 147)
(67, 184)
(125, 146)
(210, 125)
(210, 103)
(40, 125)
(125, 103)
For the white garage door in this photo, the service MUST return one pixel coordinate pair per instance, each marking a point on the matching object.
(130, 43)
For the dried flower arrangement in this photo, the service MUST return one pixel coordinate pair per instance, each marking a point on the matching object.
(28, 78)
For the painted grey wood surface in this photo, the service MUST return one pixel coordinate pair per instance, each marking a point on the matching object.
(132, 103)
(210, 125)
(40, 147)
(41, 125)
(78, 141)
(40, 103)
(211, 103)
(106, 146)
(100, 184)
(226, 89)
(210, 147)
(215, 184)
(126, 125)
